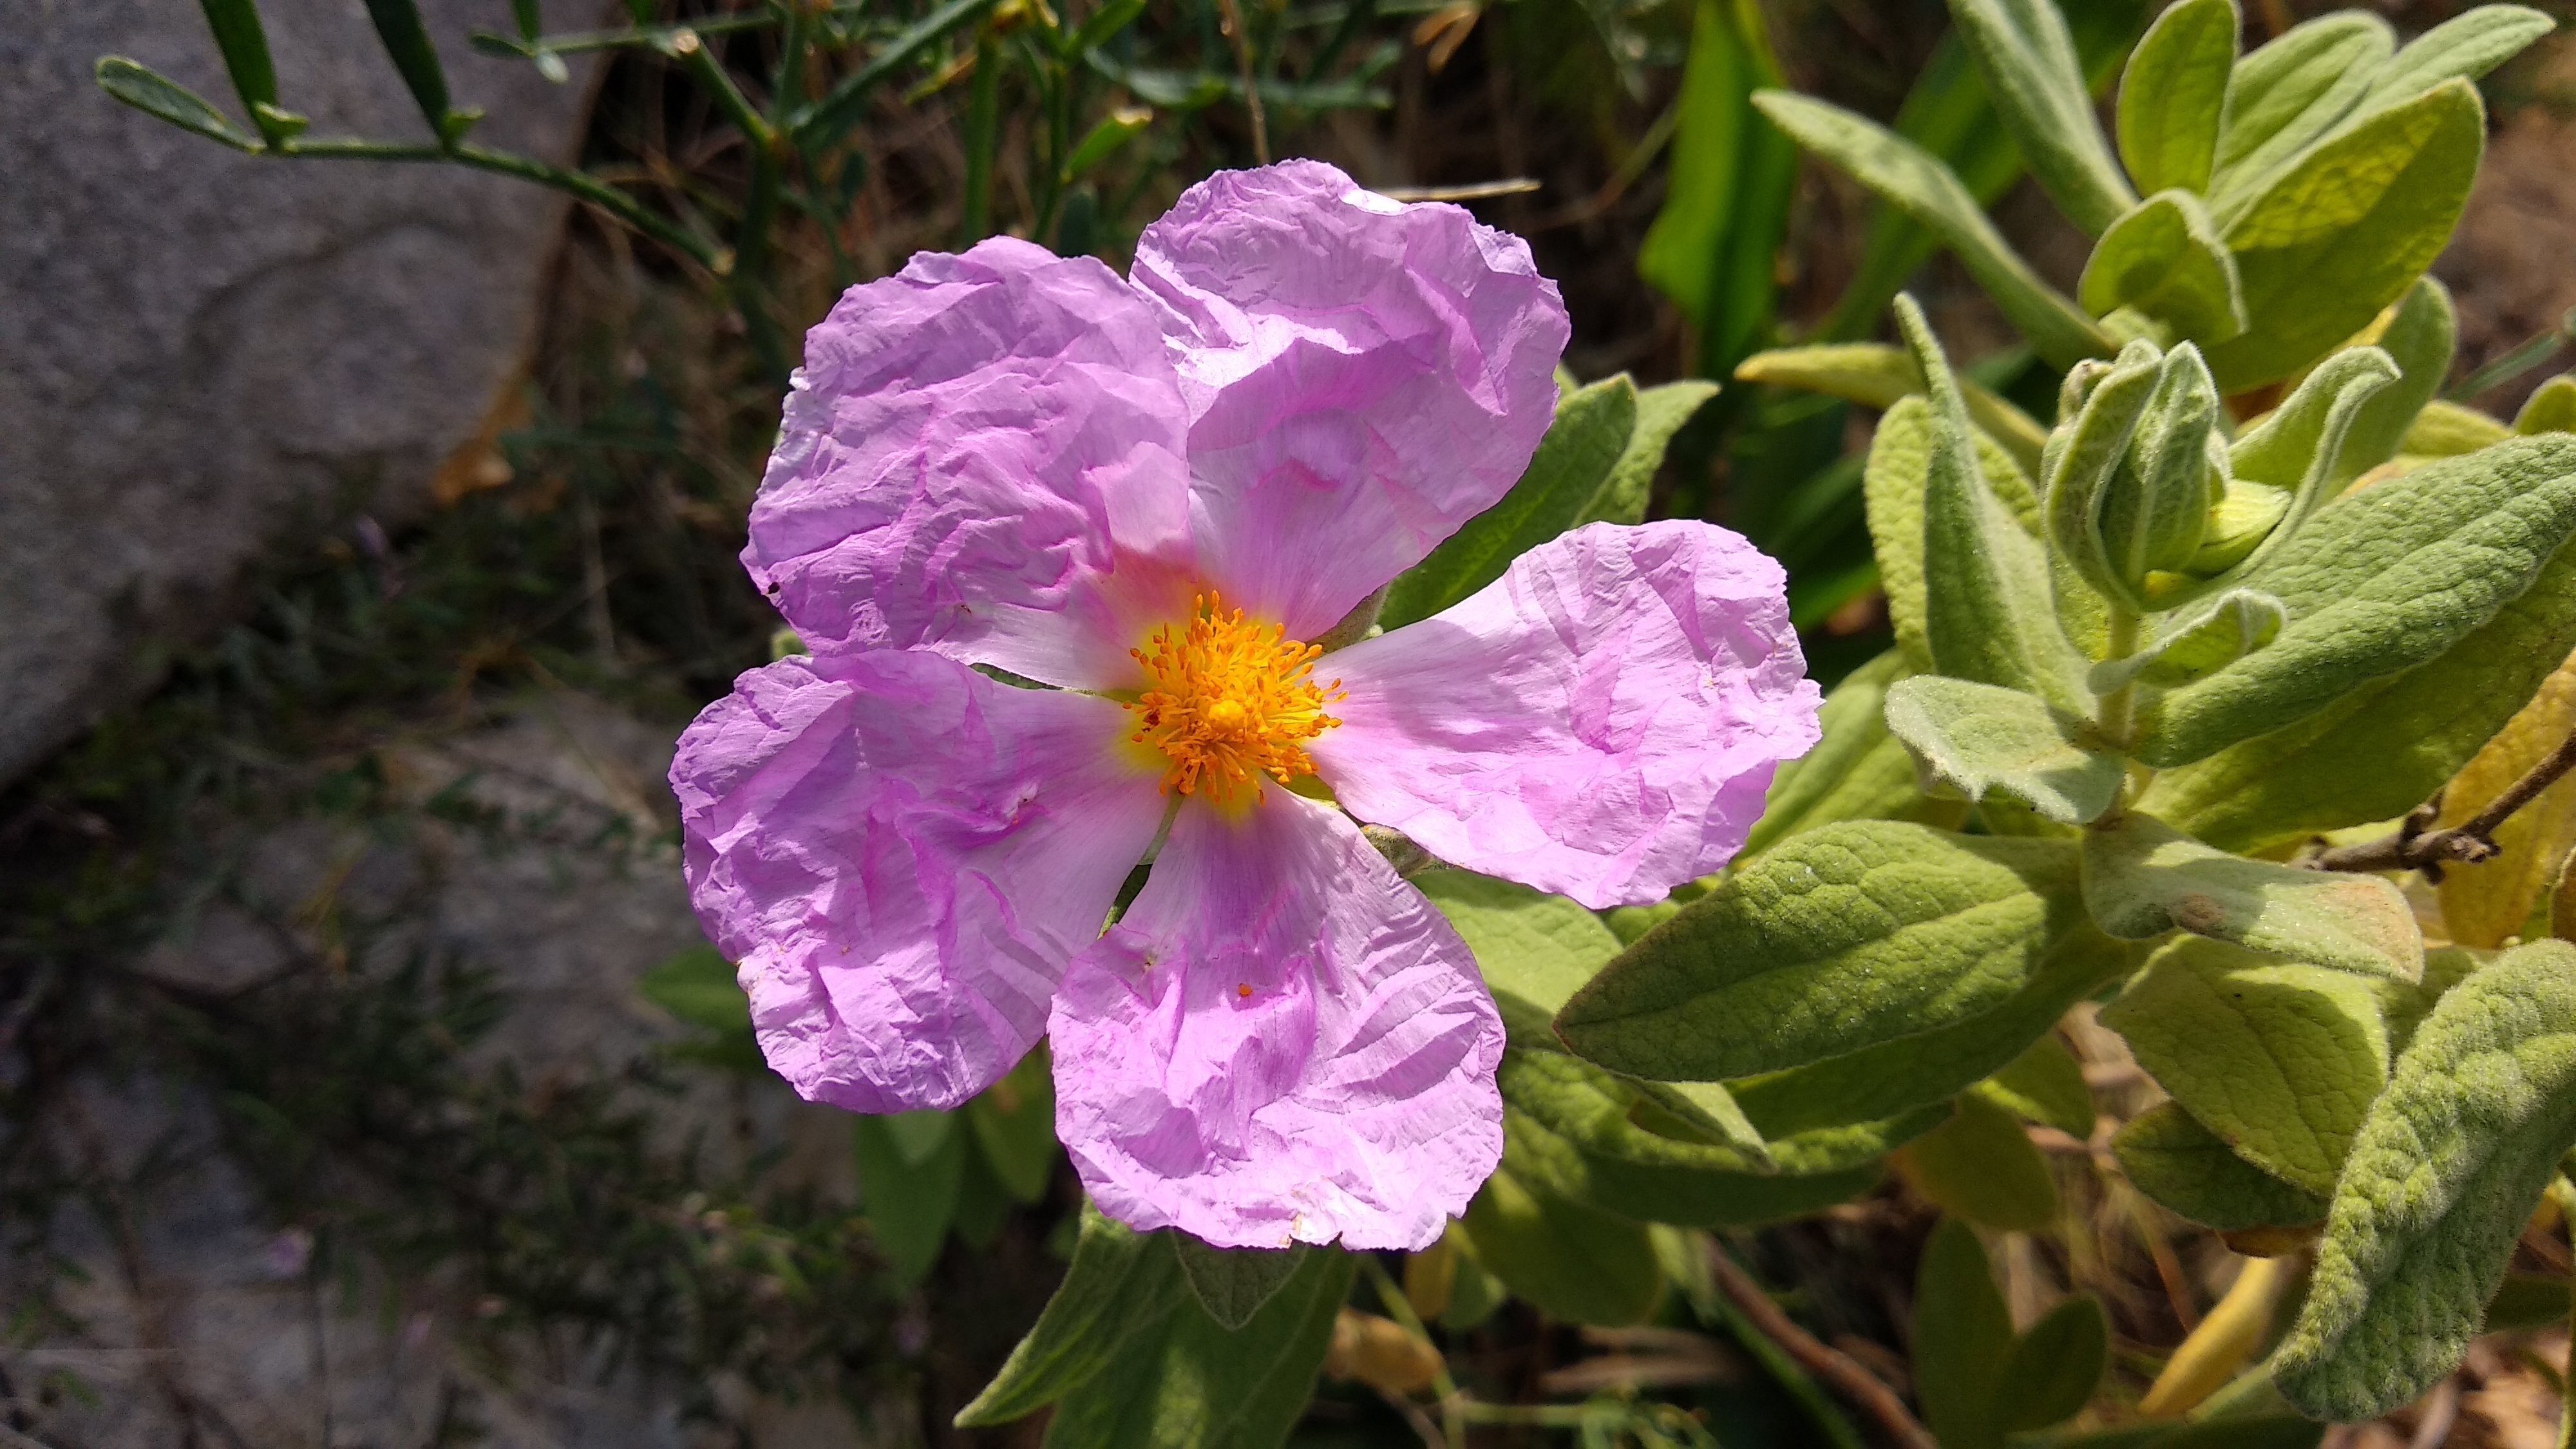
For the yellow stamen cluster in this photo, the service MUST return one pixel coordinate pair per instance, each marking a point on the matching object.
(1230, 701)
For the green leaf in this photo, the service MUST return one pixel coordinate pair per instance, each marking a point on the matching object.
(1192, 1384)
(2045, 1085)
(2099, 409)
(2198, 642)
(2442, 1178)
(1980, 1166)
(1858, 771)
(407, 43)
(1633, 1178)
(1232, 1284)
(697, 986)
(1920, 185)
(1876, 375)
(2526, 1301)
(910, 1200)
(1713, 247)
(1600, 1115)
(2290, 91)
(244, 45)
(2031, 71)
(2346, 229)
(2057, 1364)
(2378, 582)
(1893, 485)
(2421, 333)
(2551, 408)
(2280, 1061)
(2143, 878)
(2171, 1158)
(154, 94)
(1872, 1099)
(1014, 1124)
(2382, 749)
(1963, 1340)
(2173, 96)
(1571, 1261)
(2446, 430)
(2164, 258)
(2466, 46)
(1591, 431)
(1988, 615)
(2300, 449)
(1833, 940)
(1661, 412)
(1978, 739)
(1534, 949)
(1115, 1295)
(1104, 140)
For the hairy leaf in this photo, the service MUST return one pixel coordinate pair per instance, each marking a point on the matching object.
(2045, 1085)
(2057, 1364)
(2293, 89)
(1858, 771)
(2420, 334)
(2280, 1061)
(2446, 430)
(1979, 738)
(1980, 1166)
(2378, 582)
(1116, 1292)
(1661, 412)
(1598, 1113)
(2173, 96)
(1924, 188)
(2444, 1174)
(2300, 447)
(1877, 375)
(1570, 1260)
(1690, 1196)
(2143, 878)
(1533, 948)
(1893, 485)
(1963, 1340)
(1231, 1284)
(2198, 642)
(2551, 408)
(1832, 941)
(2171, 1158)
(2028, 60)
(2487, 902)
(2164, 258)
(2466, 46)
(2345, 229)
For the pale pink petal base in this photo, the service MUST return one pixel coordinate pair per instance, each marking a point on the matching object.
(1362, 377)
(1602, 721)
(902, 855)
(1281, 1041)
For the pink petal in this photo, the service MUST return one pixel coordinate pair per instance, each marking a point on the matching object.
(902, 855)
(1602, 721)
(1362, 377)
(1281, 1041)
(982, 455)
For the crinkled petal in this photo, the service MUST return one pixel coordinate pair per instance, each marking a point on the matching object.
(1362, 377)
(1602, 721)
(902, 855)
(982, 455)
(1281, 1040)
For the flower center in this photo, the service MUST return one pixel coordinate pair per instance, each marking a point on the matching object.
(1230, 701)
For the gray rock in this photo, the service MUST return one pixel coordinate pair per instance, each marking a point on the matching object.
(206, 355)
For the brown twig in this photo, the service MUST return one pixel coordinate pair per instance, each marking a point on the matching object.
(2414, 847)
(1832, 1365)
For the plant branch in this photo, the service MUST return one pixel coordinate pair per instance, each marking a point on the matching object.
(2414, 847)
(1830, 1364)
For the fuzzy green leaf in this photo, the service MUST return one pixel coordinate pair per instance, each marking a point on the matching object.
(2551, 408)
(1570, 1260)
(1117, 1290)
(2382, 749)
(2345, 229)
(2293, 89)
(1893, 485)
(1877, 375)
(2171, 1158)
(1980, 1166)
(1978, 738)
(1600, 1115)
(1963, 1340)
(1858, 771)
(2164, 258)
(2443, 1176)
(1661, 412)
(1187, 1382)
(2447, 430)
(2420, 338)
(2057, 1364)
(1832, 941)
(2028, 60)
(2143, 878)
(2466, 46)
(2045, 1085)
(2280, 1061)
(2379, 582)
(1533, 948)
(2099, 411)
(2198, 642)
(1231, 1284)
(1919, 184)
(2301, 448)
(1593, 428)
(2173, 96)
(1689, 1197)
(1988, 614)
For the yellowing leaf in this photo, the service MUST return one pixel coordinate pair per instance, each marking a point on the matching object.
(2485, 903)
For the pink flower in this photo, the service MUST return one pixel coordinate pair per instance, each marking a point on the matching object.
(1145, 493)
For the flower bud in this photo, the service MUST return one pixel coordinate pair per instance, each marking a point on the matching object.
(2135, 470)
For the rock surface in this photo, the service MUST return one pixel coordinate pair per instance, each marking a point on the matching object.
(208, 355)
